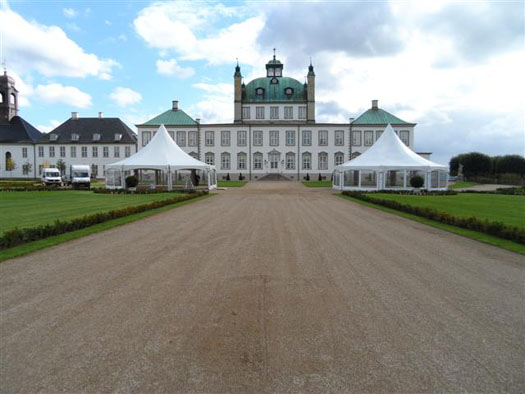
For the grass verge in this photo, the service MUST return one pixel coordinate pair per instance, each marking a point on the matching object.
(459, 185)
(31, 247)
(231, 183)
(502, 243)
(317, 183)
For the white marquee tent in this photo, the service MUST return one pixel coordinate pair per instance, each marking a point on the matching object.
(389, 164)
(161, 153)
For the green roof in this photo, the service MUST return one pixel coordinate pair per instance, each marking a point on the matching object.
(171, 118)
(378, 116)
(274, 92)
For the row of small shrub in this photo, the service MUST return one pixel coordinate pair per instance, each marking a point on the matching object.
(8, 184)
(140, 191)
(38, 188)
(18, 236)
(416, 192)
(515, 191)
(497, 229)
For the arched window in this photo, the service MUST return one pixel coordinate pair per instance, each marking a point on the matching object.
(307, 161)
(13, 99)
(241, 161)
(355, 154)
(322, 161)
(8, 162)
(290, 161)
(225, 161)
(209, 158)
(339, 158)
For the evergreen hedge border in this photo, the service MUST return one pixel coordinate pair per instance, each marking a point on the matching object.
(18, 236)
(496, 229)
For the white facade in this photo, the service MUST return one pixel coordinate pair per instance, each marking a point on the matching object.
(24, 160)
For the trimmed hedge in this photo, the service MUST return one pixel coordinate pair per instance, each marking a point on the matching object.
(513, 191)
(102, 190)
(496, 229)
(20, 236)
(415, 192)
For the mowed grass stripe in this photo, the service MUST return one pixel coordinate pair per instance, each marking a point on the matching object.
(28, 209)
(493, 207)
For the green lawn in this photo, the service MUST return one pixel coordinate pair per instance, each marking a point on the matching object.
(231, 183)
(494, 207)
(317, 183)
(27, 209)
(458, 185)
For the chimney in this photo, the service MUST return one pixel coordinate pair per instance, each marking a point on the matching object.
(74, 115)
(100, 115)
(351, 119)
(198, 120)
(374, 104)
(175, 105)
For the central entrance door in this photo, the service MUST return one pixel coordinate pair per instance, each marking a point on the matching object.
(273, 158)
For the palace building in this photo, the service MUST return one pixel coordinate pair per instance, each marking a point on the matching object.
(274, 133)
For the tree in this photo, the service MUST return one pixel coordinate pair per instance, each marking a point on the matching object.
(510, 164)
(27, 167)
(474, 163)
(10, 164)
(61, 165)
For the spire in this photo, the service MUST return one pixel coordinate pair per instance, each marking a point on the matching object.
(237, 69)
(273, 53)
(311, 68)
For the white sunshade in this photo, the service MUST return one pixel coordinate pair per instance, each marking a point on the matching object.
(390, 153)
(161, 153)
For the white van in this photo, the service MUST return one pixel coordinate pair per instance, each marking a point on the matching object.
(51, 176)
(80, 176)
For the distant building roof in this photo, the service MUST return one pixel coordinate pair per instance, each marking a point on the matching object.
(378, 116)
(86, 128)
(172, 117)
(19, 131)
(274, 92)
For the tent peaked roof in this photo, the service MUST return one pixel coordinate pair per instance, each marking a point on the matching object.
(161, 153)
(389, 152)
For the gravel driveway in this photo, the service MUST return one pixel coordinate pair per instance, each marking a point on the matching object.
(271, 288)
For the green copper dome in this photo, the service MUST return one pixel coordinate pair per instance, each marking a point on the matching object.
(274, 92)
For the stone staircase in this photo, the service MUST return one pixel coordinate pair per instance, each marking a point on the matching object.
(273, 177)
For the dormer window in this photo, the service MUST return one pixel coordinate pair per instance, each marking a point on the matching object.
(96, 137)
(288, 91)
(53, 137)
(274, 81)
(259, 92)
(118, 137)
(74, 137)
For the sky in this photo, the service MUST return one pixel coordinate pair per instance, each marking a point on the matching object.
(454, 68)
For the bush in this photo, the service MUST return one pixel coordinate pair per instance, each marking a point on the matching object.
(228, 177)
(241, 177)
(307, 177)
(417, 181)
(132, 181)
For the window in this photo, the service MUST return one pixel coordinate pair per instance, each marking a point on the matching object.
(116, 151)
(378, 134)
(241, 161)
(105, 151)
(339, 138)
(74, 137)
(94, 151)
(356, 138)
(290, 161)
(73, 151)
(40, 168)
(96, 137)
(84, 151)
(288, 112)
(290, 137)
(40, 151)
(323, 161)
(225, 138)
(271, 72)
(403, 135)
(339, 158)
(127, 151)
(302, 112)
(246, 112)
(368, 137)
(25, 169)
(192, 138)
(274, 112)
(259, 92)
(259, 112)
(307, 161)
(225, 161)
(181, 138)
(146, 137)
(307, 137)
(257, 138)
(274, 81)
(257, 161)
(288, 91)
(24, 152)
(209, 158)
(53, 137)
(117, 137)
(172, 135)
(241, 138)
(209, 138)
(94, 170)
(195, 155)
(62, 151)
(323, 137)
(274, 138)
(51, 151)
(277, 72)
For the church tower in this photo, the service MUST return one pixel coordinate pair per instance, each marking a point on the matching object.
(237, 78)
(8, 98)
(310, 94)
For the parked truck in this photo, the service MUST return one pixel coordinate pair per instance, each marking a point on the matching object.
(51, 176)
(80, 176)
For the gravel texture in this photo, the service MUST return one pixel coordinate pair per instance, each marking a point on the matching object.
(269, 288)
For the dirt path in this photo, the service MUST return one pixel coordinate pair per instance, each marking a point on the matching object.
(274, 287)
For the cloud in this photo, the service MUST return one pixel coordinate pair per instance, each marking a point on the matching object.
(217, 105)
(47, 128)
(171, 67)
(47, 49)
(56, 93)
(70, 13)
(125, 96)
